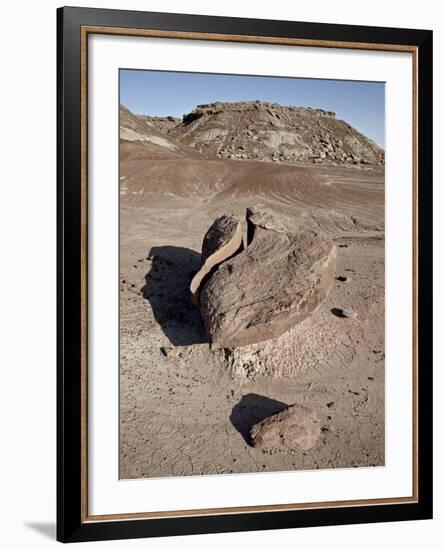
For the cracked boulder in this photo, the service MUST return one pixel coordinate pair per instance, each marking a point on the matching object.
(222, 240)
(294, 428)
(281, 277)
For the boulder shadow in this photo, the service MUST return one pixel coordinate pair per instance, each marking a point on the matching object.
(250, 410)
(336, 312)
(167, 290)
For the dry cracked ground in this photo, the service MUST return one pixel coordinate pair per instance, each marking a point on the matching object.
(190, 413)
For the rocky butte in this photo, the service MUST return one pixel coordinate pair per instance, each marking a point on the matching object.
(261, 130)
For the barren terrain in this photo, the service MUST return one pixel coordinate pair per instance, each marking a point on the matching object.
(189, 412)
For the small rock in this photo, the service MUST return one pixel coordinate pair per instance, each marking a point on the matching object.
(343, 312)
(171, 353)
(294, 428)
(343, 279)
(349, 313)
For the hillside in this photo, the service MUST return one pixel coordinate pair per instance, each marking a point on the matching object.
(162, 123)
(271, 132)
(251, 130)
(141, 138)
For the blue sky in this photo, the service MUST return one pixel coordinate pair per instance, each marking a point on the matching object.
(361, 104)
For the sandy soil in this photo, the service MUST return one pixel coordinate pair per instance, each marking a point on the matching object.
(191, 414)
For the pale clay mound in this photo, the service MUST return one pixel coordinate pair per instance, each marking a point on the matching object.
(188, 410)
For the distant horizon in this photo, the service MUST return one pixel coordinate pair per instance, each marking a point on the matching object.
(165, 93)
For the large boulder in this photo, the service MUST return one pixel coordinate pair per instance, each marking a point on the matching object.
(222, 240)
(294, 428)
(276, 282)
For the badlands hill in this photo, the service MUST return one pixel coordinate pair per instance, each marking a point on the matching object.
(259, 130)
(141, 137)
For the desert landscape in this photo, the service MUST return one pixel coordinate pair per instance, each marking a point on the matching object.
(204, 393)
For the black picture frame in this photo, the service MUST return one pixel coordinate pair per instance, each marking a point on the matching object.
(72, 525)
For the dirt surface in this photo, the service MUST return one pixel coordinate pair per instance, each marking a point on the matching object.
(190, 411)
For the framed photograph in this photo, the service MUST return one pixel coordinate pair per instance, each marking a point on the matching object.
(244, 274)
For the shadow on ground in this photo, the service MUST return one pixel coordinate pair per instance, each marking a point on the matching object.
(167, 288)
(250, 410)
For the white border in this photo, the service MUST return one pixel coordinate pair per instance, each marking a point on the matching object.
(108, 495)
